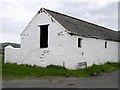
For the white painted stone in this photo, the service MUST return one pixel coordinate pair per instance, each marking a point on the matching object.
(12, 55)
(62, 47)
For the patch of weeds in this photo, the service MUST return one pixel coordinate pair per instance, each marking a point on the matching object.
(55, 67)
(22, 71)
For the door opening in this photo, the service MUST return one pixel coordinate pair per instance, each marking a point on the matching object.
(43, 36)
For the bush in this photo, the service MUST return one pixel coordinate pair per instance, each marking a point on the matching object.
(55, 67)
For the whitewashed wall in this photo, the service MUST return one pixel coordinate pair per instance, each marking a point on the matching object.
(62, 48)
(12, 55)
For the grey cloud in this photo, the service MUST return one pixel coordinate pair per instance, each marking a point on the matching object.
(105, 15)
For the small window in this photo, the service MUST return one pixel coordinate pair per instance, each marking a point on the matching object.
(82, 65)
(79, 42)
(105, 44)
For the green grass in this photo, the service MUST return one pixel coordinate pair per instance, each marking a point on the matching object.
(0, 67)
(14, 71)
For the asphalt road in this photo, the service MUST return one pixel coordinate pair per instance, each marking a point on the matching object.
(109, 80)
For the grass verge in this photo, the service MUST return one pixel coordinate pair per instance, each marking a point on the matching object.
(14, 71)
(0, 68)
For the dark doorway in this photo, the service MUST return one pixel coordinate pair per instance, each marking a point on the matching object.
(44, 36)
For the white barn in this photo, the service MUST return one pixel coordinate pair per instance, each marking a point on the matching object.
(58, 39)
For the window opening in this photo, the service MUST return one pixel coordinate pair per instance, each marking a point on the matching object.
(43, 36)
(79, 42)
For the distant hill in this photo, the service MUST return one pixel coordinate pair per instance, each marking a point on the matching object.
(3, 45)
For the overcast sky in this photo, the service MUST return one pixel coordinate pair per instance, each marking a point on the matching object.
(16, 14)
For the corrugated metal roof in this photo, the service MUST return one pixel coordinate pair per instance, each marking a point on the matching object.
(83, 28)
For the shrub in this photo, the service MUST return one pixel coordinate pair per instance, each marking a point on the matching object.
(55, 67)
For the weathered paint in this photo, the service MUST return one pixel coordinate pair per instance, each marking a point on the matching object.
(62, 47)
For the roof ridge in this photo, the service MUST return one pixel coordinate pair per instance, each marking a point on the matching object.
(83, 28)
(81, 20)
